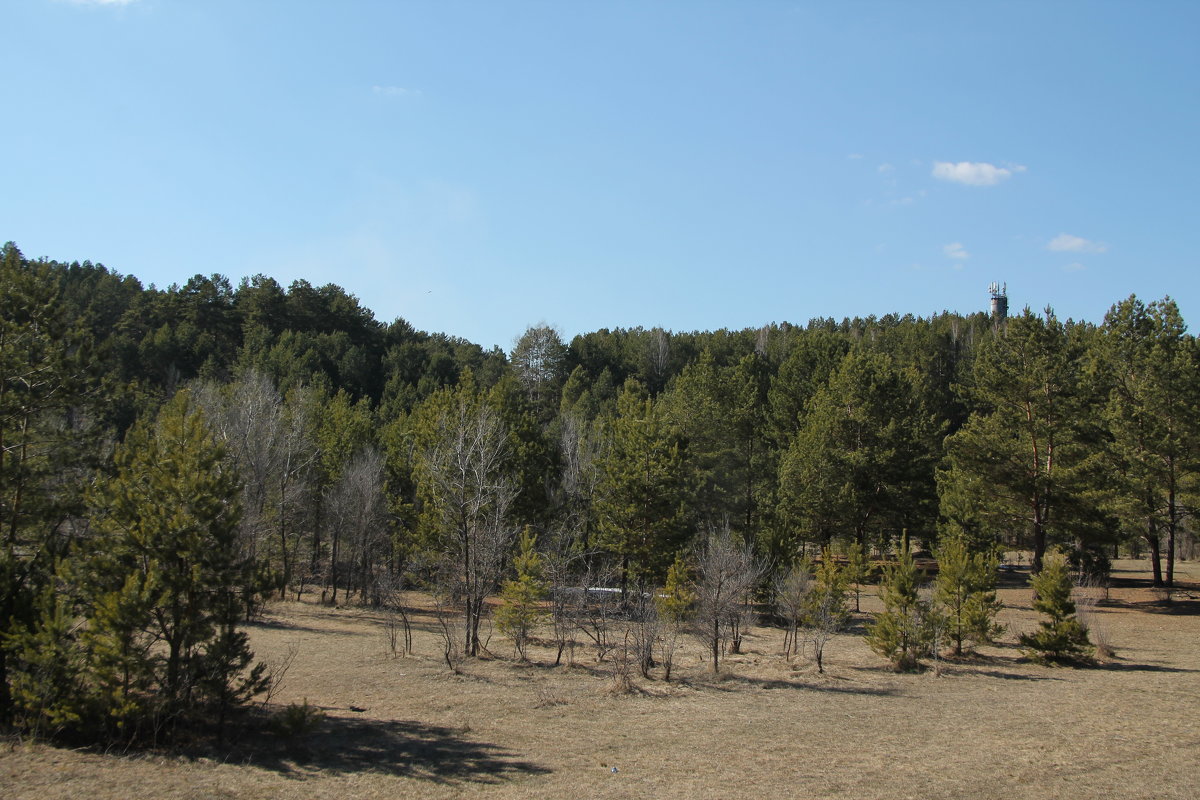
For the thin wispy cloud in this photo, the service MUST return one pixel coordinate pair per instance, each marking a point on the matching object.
(395, 91)
(1074, 266)
(956, 251)
(101, 2)
(884, 169)
(1066, 243)
(973, 173)
(854, 156)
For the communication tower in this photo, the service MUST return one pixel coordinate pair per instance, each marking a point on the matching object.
(999, 293)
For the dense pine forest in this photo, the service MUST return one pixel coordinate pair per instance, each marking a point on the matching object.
(170, 459)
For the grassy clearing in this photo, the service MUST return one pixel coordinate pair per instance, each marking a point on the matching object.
(991, 726)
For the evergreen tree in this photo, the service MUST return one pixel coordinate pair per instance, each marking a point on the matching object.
(858, 570)
(825, 610)
(166, 570)
(641, 504)
(674, 605)
(46, 383)
(863, 461)
(903, 631)
(520, 610)
(1022, 460)
(1153, 417)
(1061, 639)
(966, 590)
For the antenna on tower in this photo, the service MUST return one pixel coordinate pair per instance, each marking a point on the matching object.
(999, 294)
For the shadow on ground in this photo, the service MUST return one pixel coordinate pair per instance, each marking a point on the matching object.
(733, 683)
(1126, 666)
(392, 747)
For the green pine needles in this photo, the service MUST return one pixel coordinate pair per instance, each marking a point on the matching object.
(520, 608)
(904, 631)
(1061, 639)
(966, 592)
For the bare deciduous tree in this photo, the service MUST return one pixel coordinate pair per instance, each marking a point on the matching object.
(791, 602)
(268, 441)
(471, 494)
(728, 571)
(355, 509)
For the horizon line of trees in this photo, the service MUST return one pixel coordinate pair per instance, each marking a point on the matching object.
(358, 455)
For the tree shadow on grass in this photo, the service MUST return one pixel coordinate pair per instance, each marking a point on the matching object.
(419, 750)
(734, 682)
(1009, 676)
(1125, 666)
(1175, 608)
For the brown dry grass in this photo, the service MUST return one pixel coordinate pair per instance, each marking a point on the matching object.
(993, 726)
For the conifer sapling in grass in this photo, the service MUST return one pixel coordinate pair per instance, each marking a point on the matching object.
(966, 592)
(520, 610)
(1061, 639)
(904, 631)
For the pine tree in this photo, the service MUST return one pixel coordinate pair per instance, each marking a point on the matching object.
(966, 590)
(825, 611)
(902, 632)
(1021, 461)
(1061, 639)
(674, 604)
(166, 570)
(858, 570)
(641, 509)
(46, 377)
(1152, 416)
(520, 610)
(863, 460)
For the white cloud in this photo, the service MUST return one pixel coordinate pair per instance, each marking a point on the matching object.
(101, 2)
(956, 250)
(883, 169)
(395, 91)
(973, 173)
(854, 156)
(1066, 243)
(1074, 266)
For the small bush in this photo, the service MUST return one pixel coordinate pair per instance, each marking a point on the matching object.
(297, 720)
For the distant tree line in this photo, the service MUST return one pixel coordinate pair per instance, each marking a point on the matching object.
(171, 458)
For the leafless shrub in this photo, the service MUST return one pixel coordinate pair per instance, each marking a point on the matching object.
(792, 589)
(645, 628)
(672, 626)
(621, 669)
(1088, 594)
(548, 697)
(557, 567)
(594, 610)
(397, 624)
(277, 670)
(450, 628)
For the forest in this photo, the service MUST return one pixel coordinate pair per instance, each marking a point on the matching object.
(173, 459)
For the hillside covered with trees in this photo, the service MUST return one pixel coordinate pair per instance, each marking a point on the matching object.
(170, 459)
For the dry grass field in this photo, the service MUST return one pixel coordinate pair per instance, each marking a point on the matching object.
(994, 726)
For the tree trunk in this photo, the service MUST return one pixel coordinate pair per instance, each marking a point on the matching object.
(716, 646)
(1151, 537)
(1039, 545)
(1172, 516)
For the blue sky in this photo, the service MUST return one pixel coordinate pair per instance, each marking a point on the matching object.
(479, 167)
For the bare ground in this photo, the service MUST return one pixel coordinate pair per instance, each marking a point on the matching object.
(991, 726)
